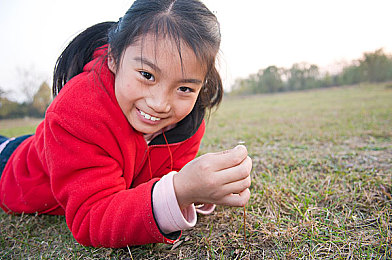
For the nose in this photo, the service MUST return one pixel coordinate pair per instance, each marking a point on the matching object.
(159, 99)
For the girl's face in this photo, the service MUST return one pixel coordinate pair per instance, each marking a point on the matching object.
(153, 87)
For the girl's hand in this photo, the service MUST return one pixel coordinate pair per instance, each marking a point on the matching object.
(218, 178)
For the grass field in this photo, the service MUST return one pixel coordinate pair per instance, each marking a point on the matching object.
(321, 185)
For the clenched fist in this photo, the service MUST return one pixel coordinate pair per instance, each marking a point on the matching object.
(219, 178)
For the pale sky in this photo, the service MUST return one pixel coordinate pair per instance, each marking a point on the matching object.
(255, 33)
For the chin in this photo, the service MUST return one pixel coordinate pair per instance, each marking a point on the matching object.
(147, 130)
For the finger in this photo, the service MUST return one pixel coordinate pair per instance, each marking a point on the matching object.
(236, 173)
(236, 200)
(236, 187)
(218, 193)
(225, 159)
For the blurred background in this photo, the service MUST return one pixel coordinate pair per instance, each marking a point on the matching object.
(267, 46)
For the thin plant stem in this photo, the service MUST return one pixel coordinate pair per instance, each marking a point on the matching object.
(244, 224)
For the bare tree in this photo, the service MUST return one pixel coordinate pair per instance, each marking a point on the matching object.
(2, 92)
(29, 82)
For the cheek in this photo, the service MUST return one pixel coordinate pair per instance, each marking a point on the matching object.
(184, 108)
(123, 86)
(123, 95)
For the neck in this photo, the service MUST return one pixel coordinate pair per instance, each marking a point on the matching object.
(149, 137)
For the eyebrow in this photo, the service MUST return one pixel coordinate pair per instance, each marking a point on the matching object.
(157, 69)
(148, 63)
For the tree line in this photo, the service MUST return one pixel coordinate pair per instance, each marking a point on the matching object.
(32, 107)
(372, 67)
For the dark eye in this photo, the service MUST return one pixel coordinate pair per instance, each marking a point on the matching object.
(147, 75)
(185, 89)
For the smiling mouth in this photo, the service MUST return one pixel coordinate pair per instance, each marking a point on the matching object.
(149, 117)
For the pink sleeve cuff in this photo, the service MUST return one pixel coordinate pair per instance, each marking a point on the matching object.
(167, 213)
(205, 209)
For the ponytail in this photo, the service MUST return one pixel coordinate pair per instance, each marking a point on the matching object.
(78, 53)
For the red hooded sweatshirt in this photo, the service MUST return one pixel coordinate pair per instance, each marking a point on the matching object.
(87, 162)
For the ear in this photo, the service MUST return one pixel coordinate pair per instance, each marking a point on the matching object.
(111, 62)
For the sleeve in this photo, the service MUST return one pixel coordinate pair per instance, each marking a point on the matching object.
(167, 213)
(205, 209)
(89, 185)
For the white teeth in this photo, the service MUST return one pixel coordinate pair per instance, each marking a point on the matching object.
(149, 117)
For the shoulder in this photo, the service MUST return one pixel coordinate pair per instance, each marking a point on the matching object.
(87, 105)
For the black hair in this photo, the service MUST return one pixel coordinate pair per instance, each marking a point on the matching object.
(183, 21)
(78, 53)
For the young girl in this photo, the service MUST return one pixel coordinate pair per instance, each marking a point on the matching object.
(115, 152)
